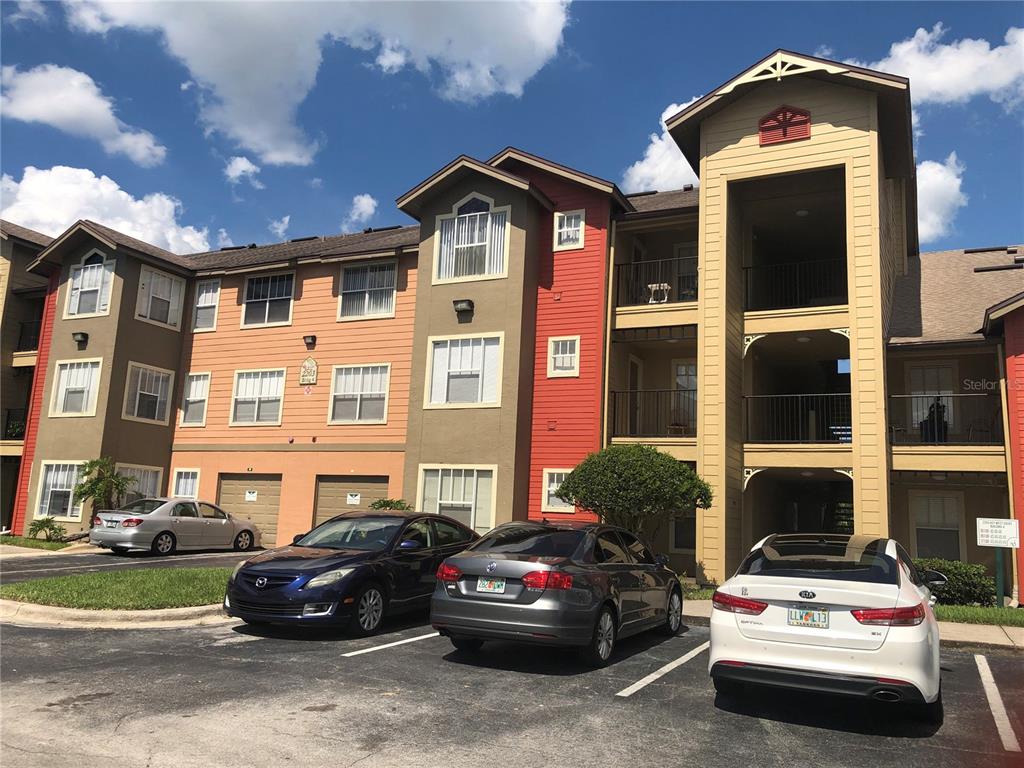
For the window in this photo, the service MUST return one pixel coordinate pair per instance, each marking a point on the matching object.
(147, 481)
(465, 371)
(193, 399)
(450, 534)
(553, 479)
(207, 300)
(932, 407)
(684, 398)
(368, 290)
(160, 298)
(211, 512)
(608, 550)
(147, 393)
(76, 389)
(186, 484)
(937, 519)
(418, 531)
(569, 230)
(684, 532)
(90, 286)
(56, 491)
(258, 396)
(472, 241)
(464, 494)
(268, 300)
(359, 394)
(184, 509)
(563, 356)
(636, 548)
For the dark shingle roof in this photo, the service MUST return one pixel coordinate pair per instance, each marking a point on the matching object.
(655, 202)
(24, 233)
(119, 238)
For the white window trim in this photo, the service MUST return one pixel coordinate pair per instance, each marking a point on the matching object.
(485, 525)
(54, 413)
(341, 288)
(507, 209)
(39, 491)
(582, 212)
(181, 400)
(67, 299)
(234, 392)
(552, 373)
(429, 406)
(216, 307)
(181, 301)
(671, 535)
(170, 394)
(174, 482)
(918, 492)
(544, 506)
(159, 473)
(387, 395)
(245, 292)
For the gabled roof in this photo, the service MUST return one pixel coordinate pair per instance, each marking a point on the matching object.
(512, 155)
(26, 235)
(994, 315)
(112, 239)
(646, 204)
(412, 201)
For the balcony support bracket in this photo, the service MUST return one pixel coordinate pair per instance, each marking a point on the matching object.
(749, 339)
(848, 471)
(749, 472)
(842, 332)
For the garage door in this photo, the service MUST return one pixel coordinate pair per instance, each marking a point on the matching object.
(346, 493)
(257, 497)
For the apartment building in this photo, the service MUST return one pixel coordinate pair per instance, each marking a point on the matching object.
(775, 327)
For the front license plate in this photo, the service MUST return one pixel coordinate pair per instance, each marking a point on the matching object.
(484, 584)
(111, 523)
(808, 617)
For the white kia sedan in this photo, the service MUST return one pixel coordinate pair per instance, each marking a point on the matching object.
(830, 613)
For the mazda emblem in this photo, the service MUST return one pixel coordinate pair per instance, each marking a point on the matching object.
(806, 594)
(262, 582)
(492, 567)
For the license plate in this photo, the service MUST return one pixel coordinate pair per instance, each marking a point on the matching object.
(484, 584)
(808, 617)
(111, 523)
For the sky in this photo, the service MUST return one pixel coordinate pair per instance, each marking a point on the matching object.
(197, 125)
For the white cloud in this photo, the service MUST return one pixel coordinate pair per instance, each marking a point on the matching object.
(187, 85)
(29, 11)
(255, 67)
(663, 166)
(51, 200)
(316, 182)
(939, 197)
(239, 168)
(362, 210)
(224, 239)
(71, 101)
(279, 226)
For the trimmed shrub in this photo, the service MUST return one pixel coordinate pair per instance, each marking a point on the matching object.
(968, 583)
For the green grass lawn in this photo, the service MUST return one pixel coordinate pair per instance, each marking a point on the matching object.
(136, 589)
(694, 593)
(974, 614)
(23, 541)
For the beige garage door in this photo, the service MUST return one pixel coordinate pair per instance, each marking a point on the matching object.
(257, 497)
(346, 493)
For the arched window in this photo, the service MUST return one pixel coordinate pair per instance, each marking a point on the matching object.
(90, 286)
(472, 240)
(784, 124)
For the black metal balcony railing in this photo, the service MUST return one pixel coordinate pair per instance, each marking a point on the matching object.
(14, 424)
(796, 284)
(661, 281)
(28, 336)
(798, 418)
(654, 413)
(974, 419)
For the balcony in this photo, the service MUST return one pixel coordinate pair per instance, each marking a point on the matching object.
(654, 413)
(28, 336)
(813, 418)
(796, 284)
(658, 281)
(946, 419)
(14, 423)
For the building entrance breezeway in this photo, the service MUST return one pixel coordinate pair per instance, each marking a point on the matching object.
(797, 501)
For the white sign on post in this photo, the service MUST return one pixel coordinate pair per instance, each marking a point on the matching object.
(250, 495)
(998, 532)
(353, 498)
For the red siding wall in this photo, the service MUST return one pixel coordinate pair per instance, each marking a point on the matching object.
(1013, 327)
(35, 407)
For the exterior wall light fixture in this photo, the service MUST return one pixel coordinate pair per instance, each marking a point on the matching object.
(462, 305)
(80, 337)
(309, 340)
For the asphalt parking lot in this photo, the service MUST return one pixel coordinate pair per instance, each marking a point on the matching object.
(231, 696)
(26, 567)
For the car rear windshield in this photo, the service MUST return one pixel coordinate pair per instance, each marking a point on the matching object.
(535, 541)
(142, 506)
(369, 533)
(839, 559)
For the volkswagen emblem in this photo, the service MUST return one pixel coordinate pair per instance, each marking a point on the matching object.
(262, 582)
(806, 594)
(492, 567)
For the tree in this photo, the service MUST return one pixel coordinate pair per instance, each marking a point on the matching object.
(399, 504)
(100, 482)
(635, 486)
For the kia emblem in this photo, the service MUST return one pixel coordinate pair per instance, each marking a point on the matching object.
(492, 567)
(806, 594)
(262, 582)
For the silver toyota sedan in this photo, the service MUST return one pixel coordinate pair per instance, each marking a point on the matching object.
(164, 525)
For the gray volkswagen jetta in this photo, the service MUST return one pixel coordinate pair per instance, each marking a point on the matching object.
(585, 585)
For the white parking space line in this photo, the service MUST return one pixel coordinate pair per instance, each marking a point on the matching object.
(121, 564)
(390, 645)
(995, 704)
(659, 673)
(234, 640)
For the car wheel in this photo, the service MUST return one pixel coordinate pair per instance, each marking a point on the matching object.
(602, 642)
(467, 644)
(727, 687)
(933, 713)
(673, 614)
(370, 605)
(164, 544)
(243, 541)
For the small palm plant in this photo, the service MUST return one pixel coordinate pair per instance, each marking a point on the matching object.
(399, 504)
(100, 482)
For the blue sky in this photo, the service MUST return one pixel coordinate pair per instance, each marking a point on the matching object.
(344, 107)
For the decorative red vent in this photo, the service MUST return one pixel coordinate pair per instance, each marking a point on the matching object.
(784, 124)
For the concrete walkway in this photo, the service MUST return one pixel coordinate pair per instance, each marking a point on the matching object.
(31, 615)
(7, 550)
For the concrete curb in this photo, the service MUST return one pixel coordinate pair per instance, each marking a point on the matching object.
(10, 551)
(53, 617)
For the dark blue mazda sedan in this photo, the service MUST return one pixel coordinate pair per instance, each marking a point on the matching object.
(352, 571)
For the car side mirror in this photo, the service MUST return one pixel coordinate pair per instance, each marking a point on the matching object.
(662, 560)
(297, 537)
(934, 579)
(408, 545)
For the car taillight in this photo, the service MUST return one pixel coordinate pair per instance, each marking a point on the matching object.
(131, 522)
(97, 520)
(547, 580)
(446, 572)
(891, 617)
(732, 604)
